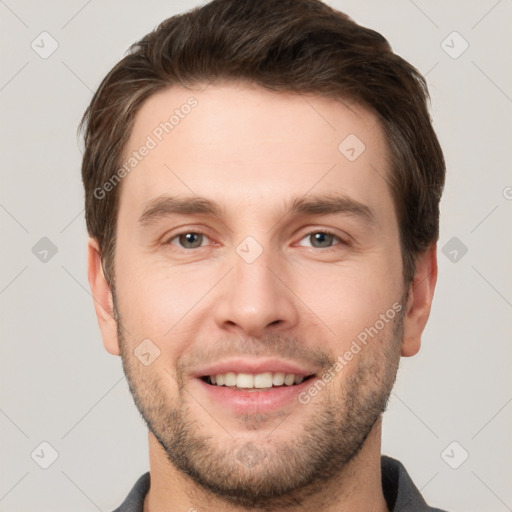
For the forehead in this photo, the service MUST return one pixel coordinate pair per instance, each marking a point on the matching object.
(240, 144)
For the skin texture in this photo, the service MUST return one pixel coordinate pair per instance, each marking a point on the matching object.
(253, 151)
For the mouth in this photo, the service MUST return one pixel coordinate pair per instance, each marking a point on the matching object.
(243, 385)
(250, 382)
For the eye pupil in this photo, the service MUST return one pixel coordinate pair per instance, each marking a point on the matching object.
(324, 239)
(190, 240)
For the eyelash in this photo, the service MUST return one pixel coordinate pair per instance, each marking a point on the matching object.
(323, 231)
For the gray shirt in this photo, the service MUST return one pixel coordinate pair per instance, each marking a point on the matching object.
(399, 491)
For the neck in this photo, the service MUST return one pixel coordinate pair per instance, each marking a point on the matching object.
(357, 487)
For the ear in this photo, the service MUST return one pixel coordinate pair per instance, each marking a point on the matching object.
(421, 292)
(103, 302)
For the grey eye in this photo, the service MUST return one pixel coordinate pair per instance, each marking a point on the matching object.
(189, 240)
(321, 239)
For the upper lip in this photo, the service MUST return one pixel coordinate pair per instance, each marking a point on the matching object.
(254, 366)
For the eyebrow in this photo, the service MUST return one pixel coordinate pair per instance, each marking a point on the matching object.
(324, 204)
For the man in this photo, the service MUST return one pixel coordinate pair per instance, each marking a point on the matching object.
(262, 189)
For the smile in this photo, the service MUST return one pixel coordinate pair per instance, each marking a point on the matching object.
(260, 381)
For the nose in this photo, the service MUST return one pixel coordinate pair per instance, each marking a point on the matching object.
(256, 297)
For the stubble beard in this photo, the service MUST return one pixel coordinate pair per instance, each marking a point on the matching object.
(259, 474)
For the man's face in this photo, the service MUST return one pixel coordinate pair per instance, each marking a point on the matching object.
(300, 258)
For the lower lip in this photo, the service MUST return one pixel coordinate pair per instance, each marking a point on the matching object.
(257, 401)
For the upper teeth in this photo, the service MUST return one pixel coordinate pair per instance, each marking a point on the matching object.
(260, 380)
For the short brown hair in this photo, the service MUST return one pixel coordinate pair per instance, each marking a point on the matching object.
(298, 46)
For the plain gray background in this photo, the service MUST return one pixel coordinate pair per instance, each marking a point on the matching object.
(58, 384)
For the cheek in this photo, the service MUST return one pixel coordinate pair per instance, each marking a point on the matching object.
(350, 298)
(155, 301)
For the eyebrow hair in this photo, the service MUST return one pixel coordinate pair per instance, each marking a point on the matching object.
(323, 204)
(331, 203)
(164, 206)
